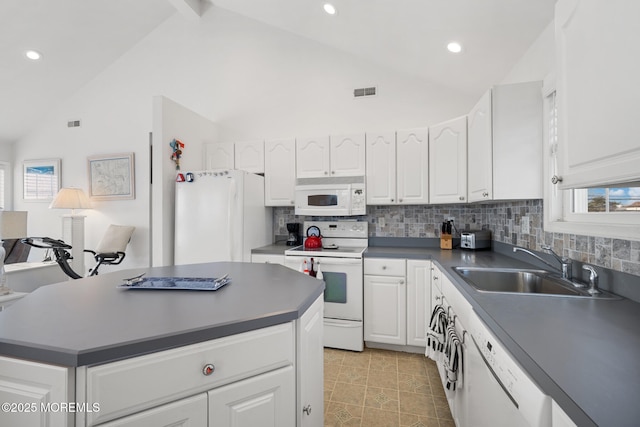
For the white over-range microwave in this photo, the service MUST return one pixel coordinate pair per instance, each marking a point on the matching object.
(334, 196)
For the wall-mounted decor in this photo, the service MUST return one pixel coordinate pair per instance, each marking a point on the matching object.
(112, 177)
(41, 179)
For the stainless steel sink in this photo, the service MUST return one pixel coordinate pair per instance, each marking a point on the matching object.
(522, 281)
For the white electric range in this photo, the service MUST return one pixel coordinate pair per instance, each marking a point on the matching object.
(340, 263)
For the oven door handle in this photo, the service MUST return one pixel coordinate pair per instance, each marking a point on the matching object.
(338, 261)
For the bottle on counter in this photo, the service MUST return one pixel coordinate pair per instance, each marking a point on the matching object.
(319, 274)
(312, 273)
(305, 268)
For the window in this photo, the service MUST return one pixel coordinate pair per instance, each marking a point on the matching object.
(608, 211)
(607, 200)
(4, 182)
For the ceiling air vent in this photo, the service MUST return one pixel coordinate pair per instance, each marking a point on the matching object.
(73, 123)
(365, 91)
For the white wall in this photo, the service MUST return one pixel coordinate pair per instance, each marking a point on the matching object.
(253, 81)
(538, 61)
(172, 120)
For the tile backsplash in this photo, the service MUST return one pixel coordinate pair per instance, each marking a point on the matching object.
(504, 219)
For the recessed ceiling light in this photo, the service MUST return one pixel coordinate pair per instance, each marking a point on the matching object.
(454, 47)
(330, 9)
(32, 54)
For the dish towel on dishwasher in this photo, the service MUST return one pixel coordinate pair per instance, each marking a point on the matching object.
(437, 333)
(444, 346)
(453, 358)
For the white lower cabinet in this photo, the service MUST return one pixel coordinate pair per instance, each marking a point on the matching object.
(385, 309)
(32, 392)
(265, 400)
(397, 301)
(559, 418)
(310, 366)
(418, 301)
(190, 412)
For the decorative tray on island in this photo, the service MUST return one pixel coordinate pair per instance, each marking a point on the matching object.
(178, 283)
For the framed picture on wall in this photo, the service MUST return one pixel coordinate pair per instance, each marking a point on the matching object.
(111, 177)
(41, 180)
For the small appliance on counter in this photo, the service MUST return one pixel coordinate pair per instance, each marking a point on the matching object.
(294, 239)
(480, 239)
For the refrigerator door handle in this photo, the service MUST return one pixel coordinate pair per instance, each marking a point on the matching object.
(230, 217)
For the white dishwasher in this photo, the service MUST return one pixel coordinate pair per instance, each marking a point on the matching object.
(500, 393)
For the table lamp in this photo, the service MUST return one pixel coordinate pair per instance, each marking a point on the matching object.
(73, 225)
(13, 225)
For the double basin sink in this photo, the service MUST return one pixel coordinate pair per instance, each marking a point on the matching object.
(524, 281)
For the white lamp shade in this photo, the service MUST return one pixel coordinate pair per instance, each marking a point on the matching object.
(13, 224)
(70, 198)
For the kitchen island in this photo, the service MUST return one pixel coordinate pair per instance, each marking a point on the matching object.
(95, 353)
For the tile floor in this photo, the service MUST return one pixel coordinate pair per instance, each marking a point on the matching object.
(383, 388)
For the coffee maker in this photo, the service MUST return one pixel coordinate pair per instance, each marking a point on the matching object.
(294, 239)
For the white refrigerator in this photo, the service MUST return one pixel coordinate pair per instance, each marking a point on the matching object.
(220, 216)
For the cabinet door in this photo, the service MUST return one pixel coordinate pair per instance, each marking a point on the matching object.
(265, 400)
(598, 91)
(385, 301)
(448, 161)
(480, 149)
(28, 386)
(412, 148)
(190, 412)
(347, 155)
(280, 172)
(219, 155)
(310, 368)
(418, 301)
(381, 168)
(249, 156)
(312, 157)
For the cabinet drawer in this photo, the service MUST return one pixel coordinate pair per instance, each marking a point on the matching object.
(384, 267)
(267, 259)
(139, 383)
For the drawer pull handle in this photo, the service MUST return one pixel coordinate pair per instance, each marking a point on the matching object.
(208, 369)
(307, 409)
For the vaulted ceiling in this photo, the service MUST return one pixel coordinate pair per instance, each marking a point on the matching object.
(80, 38)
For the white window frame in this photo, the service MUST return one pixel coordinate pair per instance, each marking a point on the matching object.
(558, 215)
(8, 186)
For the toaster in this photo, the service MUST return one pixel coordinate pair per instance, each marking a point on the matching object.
(480, 239)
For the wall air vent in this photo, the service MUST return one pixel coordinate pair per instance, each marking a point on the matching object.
(73, 124)
(365, 91)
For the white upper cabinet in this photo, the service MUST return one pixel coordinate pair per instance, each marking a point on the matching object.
(597, 91)
(412, 150)
(505, 144)
(312, 157)
(339, 155)
(480, 151)
(249, 156)
(280, 172)
(381, 168)
(347, 155)
(448, 161)
(219, 155)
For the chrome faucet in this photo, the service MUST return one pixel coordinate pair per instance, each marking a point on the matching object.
(593, 280)
(565, 263)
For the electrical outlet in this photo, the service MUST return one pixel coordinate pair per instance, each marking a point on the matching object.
(524, 225)
(451, 218)
(382, 221)
(281, 222)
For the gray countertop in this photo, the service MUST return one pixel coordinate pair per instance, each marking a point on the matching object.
(584, 353)
(91, 321)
